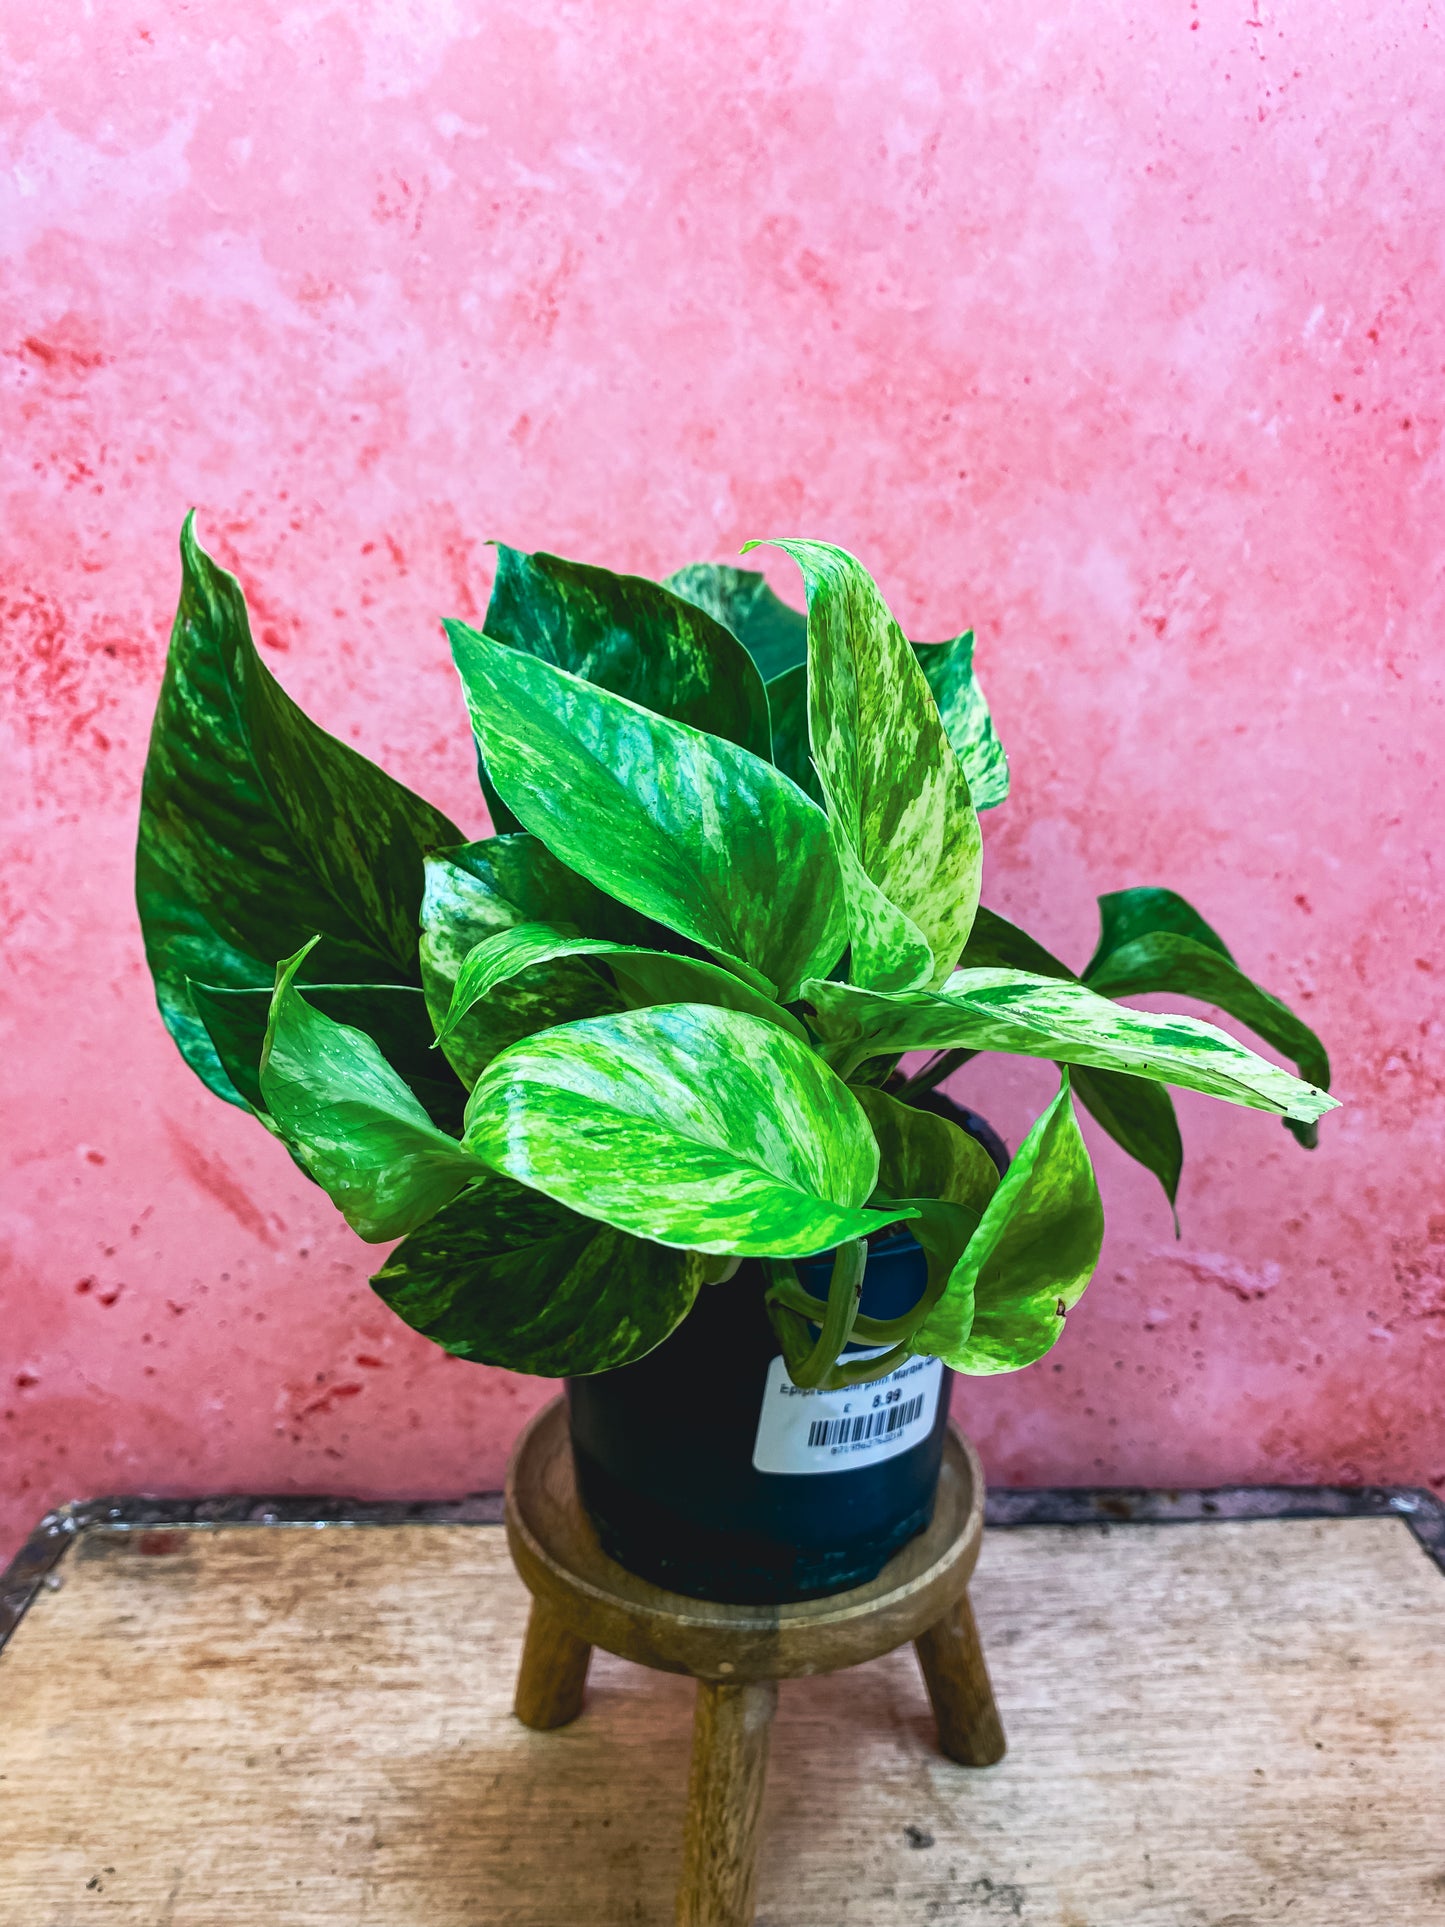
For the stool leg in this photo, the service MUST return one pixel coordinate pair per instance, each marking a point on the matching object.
(552, 1674)
(730, 1735)
(969, 1728)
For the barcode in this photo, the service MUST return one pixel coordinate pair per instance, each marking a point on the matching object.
(868, 1425)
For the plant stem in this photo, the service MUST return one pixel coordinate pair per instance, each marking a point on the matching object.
(866, 1331)
(932, 1074)
(792, 1330)
(794, 1313)
(861, 1371)
(809, 1365)
(875, 1070)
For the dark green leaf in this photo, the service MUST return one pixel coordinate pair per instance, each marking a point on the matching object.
(1161, 960)
(478, 889)
(507, 1277)
(351, 1121)
(695, 1126)
(774, 635)
(393, 1015)
(258, 829)
(235, 1023)
(686, 828)
(949, 669)
(643, 976)
(1125, 915)
(631, 636)
(1018, 1012)
(897, 794)
(995, 942)
(1139, 1116)
(788, 704)
(1029, 1261)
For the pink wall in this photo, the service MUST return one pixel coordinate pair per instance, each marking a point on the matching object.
(1123, 340)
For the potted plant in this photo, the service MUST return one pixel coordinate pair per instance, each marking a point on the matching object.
(624, 1077)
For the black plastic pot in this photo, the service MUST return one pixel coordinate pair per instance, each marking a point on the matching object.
(680, 1457)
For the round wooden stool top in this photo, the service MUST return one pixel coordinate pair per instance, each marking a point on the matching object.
(564, 1568)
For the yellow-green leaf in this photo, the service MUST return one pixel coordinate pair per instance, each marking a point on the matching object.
(1016, 1011)
(477, 890)
(1029, 1261)
(922, 1155)
(393, 1016)
(351, 1121)
(642, 975)
(684, 827)
(896, 791)
(694, 1126)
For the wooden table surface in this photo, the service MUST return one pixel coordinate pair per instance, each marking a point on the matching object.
(1210, 1725)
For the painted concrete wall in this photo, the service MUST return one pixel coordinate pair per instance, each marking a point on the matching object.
(1121, 339)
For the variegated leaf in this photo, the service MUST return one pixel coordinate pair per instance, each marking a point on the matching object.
(922, 1155)
(887, 950)
(946, 1175)
(643, 976)
(895, 789)
(351, 1121)
(1015, 1011)
(774, 635)
(393, 1016)
(258, 829)
(631, 636)
(1125, 915)
(690, 1125)
(686, 828)
(505, 1276)
(1137, 1114)
(966, 717)
(1029, 1261)
(478, 889)
(1154, 942)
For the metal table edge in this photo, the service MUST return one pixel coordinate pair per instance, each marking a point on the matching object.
(47, 1545)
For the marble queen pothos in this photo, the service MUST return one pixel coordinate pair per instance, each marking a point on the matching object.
(653, 1025)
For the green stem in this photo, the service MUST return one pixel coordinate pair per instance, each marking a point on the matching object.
(932, 1074)
(792, 1330)
(862, 1371)
(866, 1330)
(810, 1364)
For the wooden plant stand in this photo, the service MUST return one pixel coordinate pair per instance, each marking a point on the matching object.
(737, 1654)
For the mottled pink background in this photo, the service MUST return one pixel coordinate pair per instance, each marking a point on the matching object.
(1124, 341)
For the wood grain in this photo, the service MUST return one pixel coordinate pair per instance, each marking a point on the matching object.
(552, 1677)
(1224, 1725)
(730, 1733)
(738, 1653)
(956, 1675)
